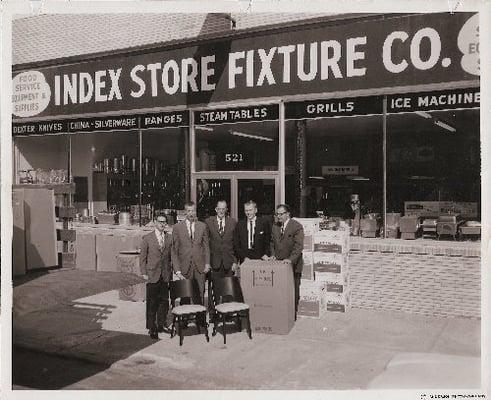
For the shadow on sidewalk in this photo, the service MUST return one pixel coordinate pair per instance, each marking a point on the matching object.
(33, 370)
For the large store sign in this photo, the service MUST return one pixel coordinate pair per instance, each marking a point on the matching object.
(103, 124)
(393, 51)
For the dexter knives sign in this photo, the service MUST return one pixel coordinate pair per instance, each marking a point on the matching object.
(391, 51)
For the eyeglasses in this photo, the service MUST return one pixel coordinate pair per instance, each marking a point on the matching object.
(279, 214)
(161, 222)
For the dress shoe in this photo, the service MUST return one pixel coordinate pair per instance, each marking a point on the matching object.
(153, 334)
(163, 329)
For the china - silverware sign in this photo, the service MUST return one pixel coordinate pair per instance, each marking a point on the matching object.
(393, 51)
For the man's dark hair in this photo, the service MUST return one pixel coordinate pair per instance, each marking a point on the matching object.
(285, 206)
(189, 204)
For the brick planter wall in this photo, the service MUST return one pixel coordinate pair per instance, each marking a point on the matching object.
(425, 277)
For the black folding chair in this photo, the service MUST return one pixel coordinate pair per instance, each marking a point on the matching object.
(229, 302)
(187, 292)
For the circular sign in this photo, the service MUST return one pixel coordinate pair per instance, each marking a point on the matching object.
(468, 42)
(30, 94)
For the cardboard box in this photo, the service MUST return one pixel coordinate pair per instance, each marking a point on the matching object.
(268, 288)
(312, 300)
(310, 225)
(128, 262)
(337, 298)
(105, 248)
(336, 307)
(330, 262)
(331, 241)
(85, 250)
(133, 292)
(308, 266)
(308, 243)
(332, 278)
(336, 288)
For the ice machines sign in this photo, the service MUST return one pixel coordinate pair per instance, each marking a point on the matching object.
(394, 51)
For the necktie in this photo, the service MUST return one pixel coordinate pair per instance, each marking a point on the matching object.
(282, 230)
(161, 241)
(191, 228)
(220, 230)
(251, 235)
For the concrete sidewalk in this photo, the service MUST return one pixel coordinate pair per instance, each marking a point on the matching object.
(339, 351)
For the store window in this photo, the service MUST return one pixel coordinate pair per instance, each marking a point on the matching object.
(250, 145)
(164, 169)
(107, 164)
(433, 163)
(332, 158)
(41, 159)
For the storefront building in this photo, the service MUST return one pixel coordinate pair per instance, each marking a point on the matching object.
(385, 107)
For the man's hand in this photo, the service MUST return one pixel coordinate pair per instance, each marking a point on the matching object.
(234, 267)
(207, 268)
(287, 261)
(180, 276)
(145, 277)
(265, 258)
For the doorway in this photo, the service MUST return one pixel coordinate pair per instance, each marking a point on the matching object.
(236, 189)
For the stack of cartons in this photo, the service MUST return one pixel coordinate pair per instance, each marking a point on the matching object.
(330, 258)
(310, 227)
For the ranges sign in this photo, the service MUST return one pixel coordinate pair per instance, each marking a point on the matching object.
(391, 51)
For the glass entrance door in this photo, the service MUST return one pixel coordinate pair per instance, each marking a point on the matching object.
(262, 191)
(236, 189)
(208, 192)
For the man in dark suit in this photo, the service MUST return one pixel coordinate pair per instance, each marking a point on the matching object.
(287, 244)
(252, 235)
(190, 249)
(222, 256)
(155, 266)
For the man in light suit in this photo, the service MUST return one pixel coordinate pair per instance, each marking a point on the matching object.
(221, 234)
(190, 249)
(252, 235)
(155, 266)
(287, 244)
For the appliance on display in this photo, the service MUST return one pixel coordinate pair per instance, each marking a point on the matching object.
(429, 227)
(448, 225)
(355, 206)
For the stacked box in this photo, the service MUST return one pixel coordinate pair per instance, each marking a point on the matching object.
(330, 262)
(308, 266)
(312, 302)
(310, 228)
(331, 268)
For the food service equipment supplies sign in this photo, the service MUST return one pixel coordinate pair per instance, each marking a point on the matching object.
(393, 51)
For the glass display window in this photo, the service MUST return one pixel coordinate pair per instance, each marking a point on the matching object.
(433, 163)
(330, 159)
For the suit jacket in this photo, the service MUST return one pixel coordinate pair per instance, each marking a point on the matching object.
(221, 246)
(262, 237)
(156, 262)
(184, 250)
(289, 246)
